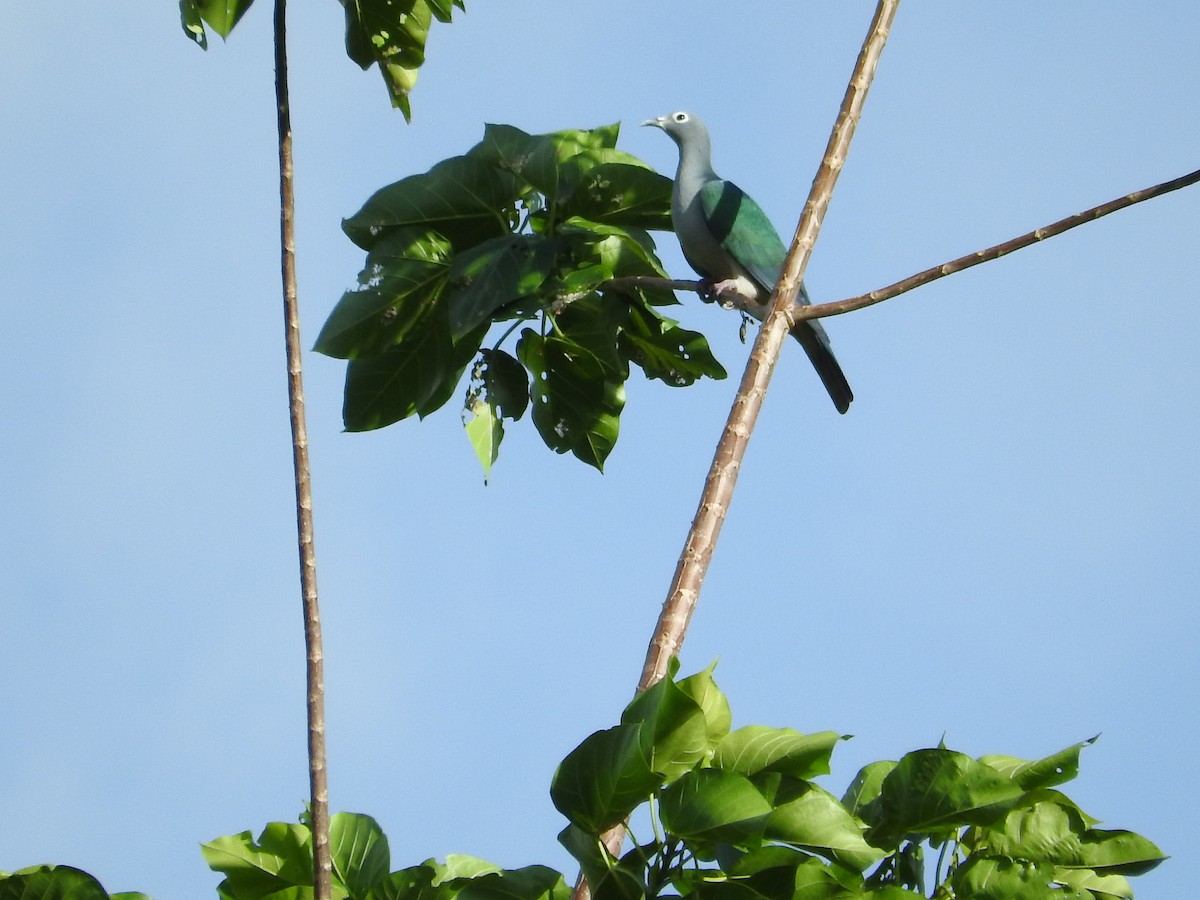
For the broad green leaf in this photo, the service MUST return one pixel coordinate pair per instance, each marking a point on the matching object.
(545, 162)
(418, 375)
(577, 400)
(494, 273)
(665, 351)
(618, 193)
(1057, 768)
(413, 883)
(505, 383)
(1050, 832)
(280, 858)
(984, 878)
(461, 198)
(861, 798)
(485, 431)
(392, 33)
(1100, 886)
(220, 16)
(594, 324)
(460, 865)
(713, 805)
(936, 789)
(605, 778)
(676, 722)
(758, 748)
(405, 273)
(528, 883)
(817, 821)
(51, 883)
(703, 689)
(359, 849)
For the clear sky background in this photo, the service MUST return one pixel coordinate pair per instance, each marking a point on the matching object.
(998, 544)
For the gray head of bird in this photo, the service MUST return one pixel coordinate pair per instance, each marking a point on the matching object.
(681, 126)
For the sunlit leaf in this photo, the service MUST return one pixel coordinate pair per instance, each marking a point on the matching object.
(605, 778)
(713, 805)
(219, 15)
(758, 748)
(359, 850)
(676, 722)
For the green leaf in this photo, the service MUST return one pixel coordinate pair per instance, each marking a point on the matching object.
(703, 689)
(359, 849)
(220, 15)
(713, 805)
(594, 324)
(618, 193)
(413, 883)
(546, 162)
(605, 778)
(505, 383)
(936, 789)
(1057, 768)
(816, 820)
(577, 400)
(460, 865)
(404, 276)
(862, 797)
(280, 858)
(528, 883)
(1053, 833)
(984, 878)
(418, 375)
(51, 883)
(462, 198)
(757, 748)
(392, 33)
(676, 722)
(485, 431)
(494, 273)
(665, 351)
(1100, 886)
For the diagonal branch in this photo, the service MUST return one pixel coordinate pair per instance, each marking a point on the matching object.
(722, 476)
(315, 665)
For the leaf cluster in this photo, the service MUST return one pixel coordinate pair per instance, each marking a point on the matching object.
(387, 33)
(737, 815)
(525, 231)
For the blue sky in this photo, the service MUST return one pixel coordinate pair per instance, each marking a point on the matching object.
(998, 543)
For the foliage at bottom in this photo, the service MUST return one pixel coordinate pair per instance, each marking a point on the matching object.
(731, 815)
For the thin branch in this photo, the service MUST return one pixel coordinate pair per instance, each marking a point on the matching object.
(821, 310)
(314, 669)
(722, 477)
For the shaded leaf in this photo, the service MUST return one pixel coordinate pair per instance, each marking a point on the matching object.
(505, 383)
(985, 878)
(1053, 833)
(219, 15)
(494, 273)
(816, 820)
(577, 400)
(605, 778)
(462, 198)
(392, 34)
(665, 351)
(51, 883)
(861, 798)
(713, 805)
(404, 276)
(618, 193)
(935, 789)
(418, 375)
(413, 883)
(528, 883)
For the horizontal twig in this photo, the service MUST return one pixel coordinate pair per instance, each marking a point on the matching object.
(839, 307)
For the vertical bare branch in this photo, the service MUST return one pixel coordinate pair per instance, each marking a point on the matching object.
(315, 669)
(722, 476)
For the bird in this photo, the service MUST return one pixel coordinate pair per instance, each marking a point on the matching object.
(727, 238)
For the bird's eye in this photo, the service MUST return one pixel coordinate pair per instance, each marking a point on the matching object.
(680, 117)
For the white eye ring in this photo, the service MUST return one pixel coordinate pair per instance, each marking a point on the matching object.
(680, 117)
